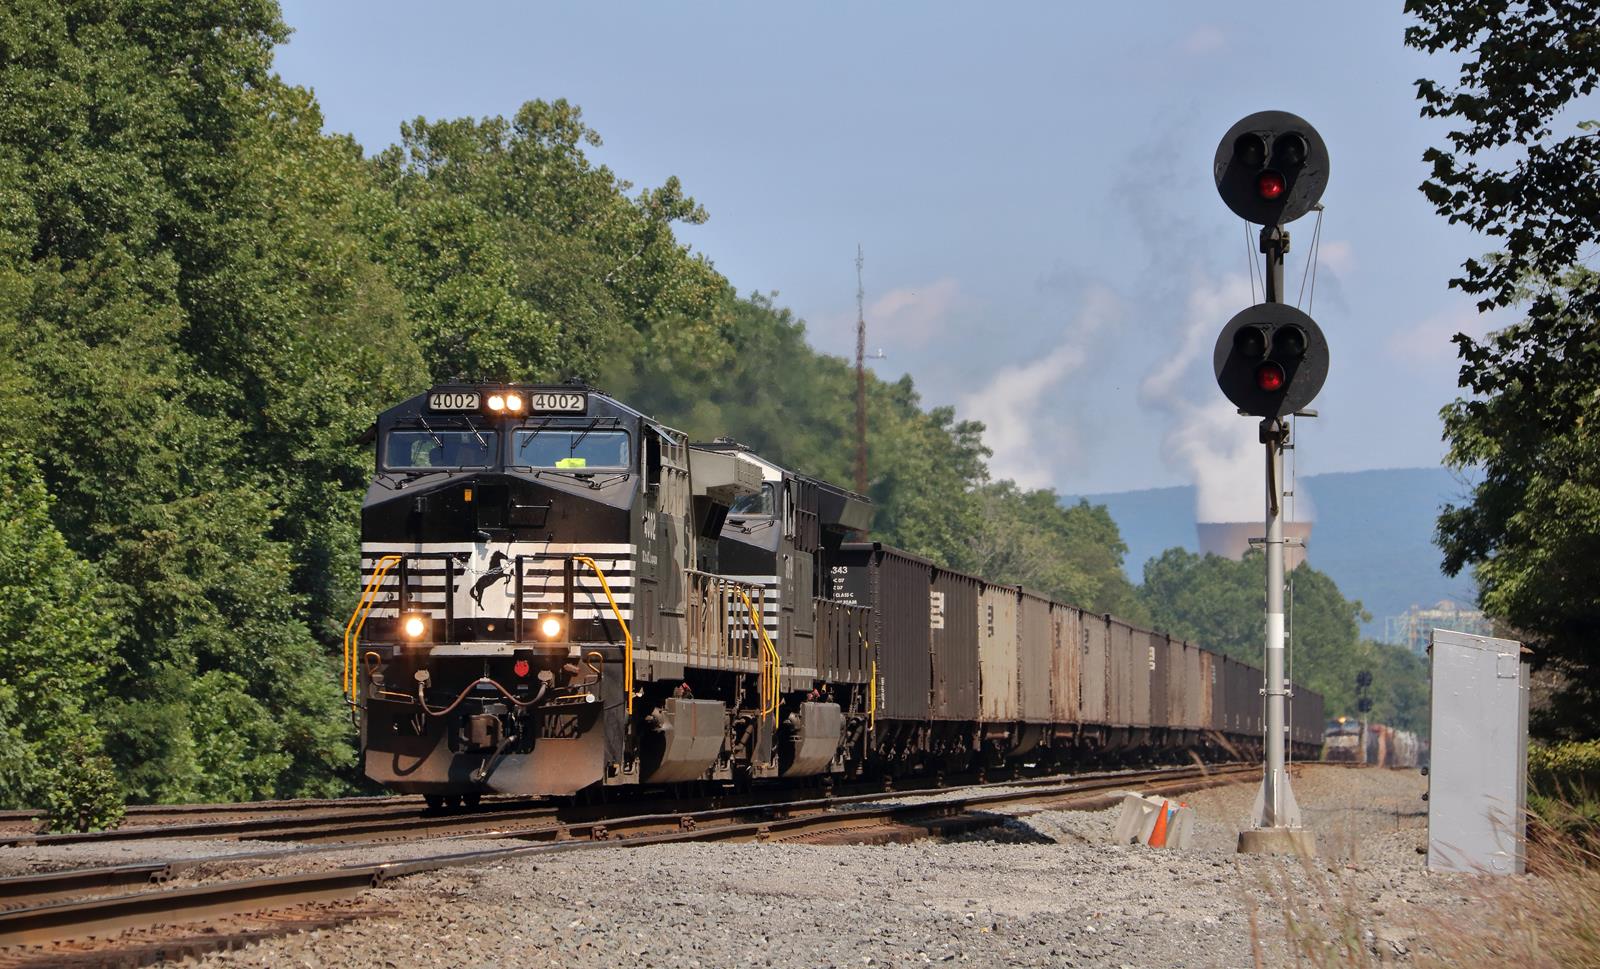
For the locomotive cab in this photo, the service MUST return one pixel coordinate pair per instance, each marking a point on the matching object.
(517, 544)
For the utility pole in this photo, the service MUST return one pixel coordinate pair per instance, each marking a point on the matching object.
(1270, 361)
(861, 378)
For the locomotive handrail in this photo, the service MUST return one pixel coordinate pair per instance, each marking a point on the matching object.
(358, 622)
(770, 684)
(872, 683)
(627, 636)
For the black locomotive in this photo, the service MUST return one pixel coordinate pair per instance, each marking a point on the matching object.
(560, 592)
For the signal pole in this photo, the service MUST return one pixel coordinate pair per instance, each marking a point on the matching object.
(1270, 361)
(1275, 807)
(861, 379)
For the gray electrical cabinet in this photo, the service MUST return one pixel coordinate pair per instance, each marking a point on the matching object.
(1477, 785)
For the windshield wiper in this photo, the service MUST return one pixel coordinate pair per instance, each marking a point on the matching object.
(579, 440)
(424, 422)
(587, 477)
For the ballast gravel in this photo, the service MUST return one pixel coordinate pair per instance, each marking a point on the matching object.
(1044, 889)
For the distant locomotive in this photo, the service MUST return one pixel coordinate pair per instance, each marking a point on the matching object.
(560, 592)
(1353, 741)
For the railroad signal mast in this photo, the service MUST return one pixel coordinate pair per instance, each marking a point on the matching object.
(1270, 361)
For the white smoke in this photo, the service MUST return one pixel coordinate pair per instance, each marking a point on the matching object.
(1219, 449)
(1009, 404)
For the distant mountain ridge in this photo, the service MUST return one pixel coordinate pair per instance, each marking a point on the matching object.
(1373, 533)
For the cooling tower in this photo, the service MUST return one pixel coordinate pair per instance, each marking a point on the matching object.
(1232, 539)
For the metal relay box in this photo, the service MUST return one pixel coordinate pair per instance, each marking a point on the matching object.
(1477, 789)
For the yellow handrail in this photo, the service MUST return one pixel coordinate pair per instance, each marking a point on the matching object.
(872, 684)
(769, 653)
(358, 622)
(627, 653)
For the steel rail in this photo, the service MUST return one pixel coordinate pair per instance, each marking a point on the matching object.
(375, 820)
(346, 817)
(60, 921)
(237, 807)
(38, 888)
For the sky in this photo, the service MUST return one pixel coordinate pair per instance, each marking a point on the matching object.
(1030, 184)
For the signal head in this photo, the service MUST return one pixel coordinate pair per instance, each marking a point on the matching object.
(1270, 360)
(1271, 168)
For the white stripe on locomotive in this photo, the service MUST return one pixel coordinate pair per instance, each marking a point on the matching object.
(543, 584)
(769, 601)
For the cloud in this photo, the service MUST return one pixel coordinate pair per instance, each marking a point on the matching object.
(1027, 446)
(912, 317)
(1429, 340)
(1203, 40)
(1337, 256)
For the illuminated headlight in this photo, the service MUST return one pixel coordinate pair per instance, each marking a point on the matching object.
(513, 402)
(550, 627)
(497, 403)
(414, 626)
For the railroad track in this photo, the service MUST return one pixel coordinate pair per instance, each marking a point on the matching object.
(348, 825)
(157, 812)
(52, 918)
(370, 819)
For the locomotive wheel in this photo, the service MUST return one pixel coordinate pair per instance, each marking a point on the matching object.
(435, 802)
(471, 801)
(452, 801)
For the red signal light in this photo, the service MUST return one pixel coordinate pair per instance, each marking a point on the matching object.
(520, 667)
(1269, 377)
(1270, 185)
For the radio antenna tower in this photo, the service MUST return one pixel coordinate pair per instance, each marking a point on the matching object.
(861, 379)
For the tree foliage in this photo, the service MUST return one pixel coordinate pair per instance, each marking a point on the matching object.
(1220, 603)
(55, 640)
(1522, 170)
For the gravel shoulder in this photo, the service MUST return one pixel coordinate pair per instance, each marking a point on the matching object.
(1045, 889)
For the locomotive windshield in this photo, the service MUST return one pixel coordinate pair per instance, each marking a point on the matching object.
(758, 505)
(566, 449)
(409, 450)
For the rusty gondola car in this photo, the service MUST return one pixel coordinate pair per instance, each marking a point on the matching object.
(562, 593)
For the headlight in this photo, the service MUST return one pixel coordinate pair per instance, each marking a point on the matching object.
(550, 627)
(497, 403)
(513, 402)
(414, 626)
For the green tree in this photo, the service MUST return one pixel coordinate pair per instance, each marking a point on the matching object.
(57, 642)
(1072, 553)
(188, 299)
(520, 259)
(1221, 603)
(1519, 169)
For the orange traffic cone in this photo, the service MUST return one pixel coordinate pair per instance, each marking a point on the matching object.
(1158, 836)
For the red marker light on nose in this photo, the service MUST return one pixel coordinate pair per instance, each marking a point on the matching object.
(1269, 377)
(1270, 185)
(520, 667)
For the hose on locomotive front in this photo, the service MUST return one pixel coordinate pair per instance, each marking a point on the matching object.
(422, 682)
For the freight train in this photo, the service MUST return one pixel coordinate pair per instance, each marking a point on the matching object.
(561, 594)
